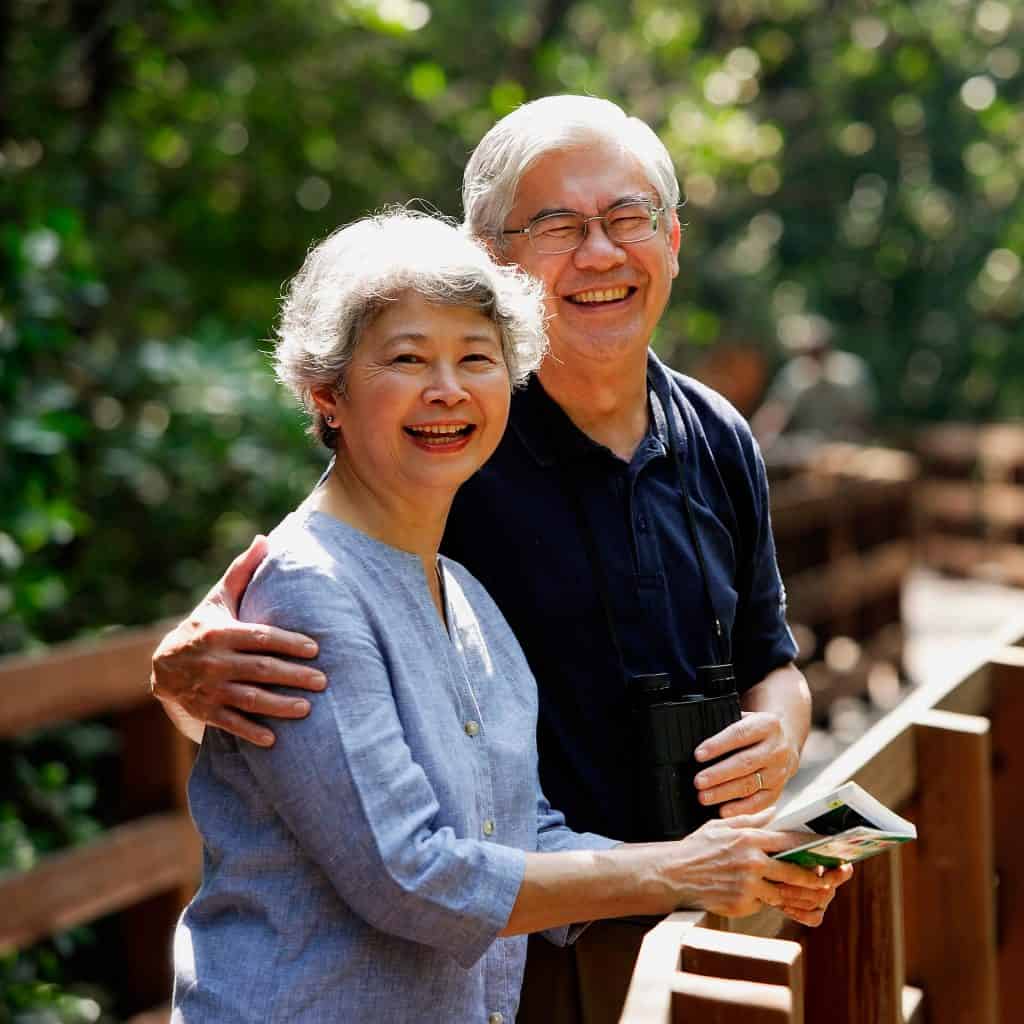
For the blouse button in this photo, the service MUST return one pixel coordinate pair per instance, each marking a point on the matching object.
(495, 1018)
(489, 827)
(471, 727)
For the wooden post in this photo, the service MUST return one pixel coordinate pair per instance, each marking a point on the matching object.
(1008, 809)
(747, 958)
(951, 905)
(696, 998)
(853, 962)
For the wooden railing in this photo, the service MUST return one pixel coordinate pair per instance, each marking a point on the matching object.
(144, 869)
(930, 931)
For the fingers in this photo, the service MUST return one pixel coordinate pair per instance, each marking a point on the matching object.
(756, 820)
(737, 778)
(794, 875)
(232, 584)
(764, 798)
(751, 728)
(240, 726)
(255, 700)
(253, 636)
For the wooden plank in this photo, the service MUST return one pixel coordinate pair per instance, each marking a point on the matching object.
(158, 1015)
(951, 910)
(913, 1005)
(1008, 803)
(76, 680)
(854, 961)
(696, 998)
(746, 958)
(124, 866)
(847, 583)
(649, 1000)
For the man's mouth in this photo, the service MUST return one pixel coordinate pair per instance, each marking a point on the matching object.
(438, 435)
(600, 296)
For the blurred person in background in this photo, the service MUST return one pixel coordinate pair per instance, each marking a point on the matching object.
(578, 525)
(820, 394)
(388, 854)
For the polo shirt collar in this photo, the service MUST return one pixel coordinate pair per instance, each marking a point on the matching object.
(550, 436)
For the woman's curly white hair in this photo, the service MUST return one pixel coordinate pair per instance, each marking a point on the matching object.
(347, 279)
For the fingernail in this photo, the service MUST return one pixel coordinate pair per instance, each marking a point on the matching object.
(266, 739)
(300, 706)
(700, 754)
(309, 647)
(321, 680)
(700, 780)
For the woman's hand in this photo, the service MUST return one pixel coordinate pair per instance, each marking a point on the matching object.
(726, 867)
(808, 907)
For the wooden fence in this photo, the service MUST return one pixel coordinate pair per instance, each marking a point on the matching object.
(145, 869)
(930, 931)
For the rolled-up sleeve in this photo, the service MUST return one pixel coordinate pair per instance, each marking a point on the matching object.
(345, 783)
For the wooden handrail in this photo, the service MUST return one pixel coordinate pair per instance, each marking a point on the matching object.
(76, 680)
(932, 758)
(119, 869)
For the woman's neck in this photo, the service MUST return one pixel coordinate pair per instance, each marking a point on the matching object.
(409, 523)
(609, 407)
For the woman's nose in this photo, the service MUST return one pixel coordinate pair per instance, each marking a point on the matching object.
(445, 386)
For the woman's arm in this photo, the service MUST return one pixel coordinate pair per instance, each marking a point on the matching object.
(723, 867)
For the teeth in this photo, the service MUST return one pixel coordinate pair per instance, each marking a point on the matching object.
(601, 295)
(440, 429)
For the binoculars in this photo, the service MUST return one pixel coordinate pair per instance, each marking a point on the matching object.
(670, 726)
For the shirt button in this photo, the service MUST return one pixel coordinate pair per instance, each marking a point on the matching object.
(471, 727)
(495, 1018)
(489, 827)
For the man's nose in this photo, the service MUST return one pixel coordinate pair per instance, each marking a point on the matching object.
(598, 251)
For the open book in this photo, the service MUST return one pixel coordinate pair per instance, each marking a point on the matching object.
(845, 825)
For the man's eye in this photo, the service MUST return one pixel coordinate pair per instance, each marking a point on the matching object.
(407, 357)
(559, 227)
(478, 357)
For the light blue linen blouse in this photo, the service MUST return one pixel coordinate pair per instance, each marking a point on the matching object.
(361, 868)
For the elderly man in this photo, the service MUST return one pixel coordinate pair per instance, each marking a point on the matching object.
(622, 526)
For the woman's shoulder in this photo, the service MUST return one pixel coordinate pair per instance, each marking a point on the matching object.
(308, 573)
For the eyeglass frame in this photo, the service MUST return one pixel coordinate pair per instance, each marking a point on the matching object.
(655, 213)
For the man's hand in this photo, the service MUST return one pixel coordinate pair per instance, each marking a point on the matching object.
(205, 668)
(763, 759)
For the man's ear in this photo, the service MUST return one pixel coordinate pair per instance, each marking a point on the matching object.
(673, 236)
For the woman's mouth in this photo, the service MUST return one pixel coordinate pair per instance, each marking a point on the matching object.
(595, 297)
(441, 436)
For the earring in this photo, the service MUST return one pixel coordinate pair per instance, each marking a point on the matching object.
(330, 420)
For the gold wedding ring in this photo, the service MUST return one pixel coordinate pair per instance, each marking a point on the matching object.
(760, 782)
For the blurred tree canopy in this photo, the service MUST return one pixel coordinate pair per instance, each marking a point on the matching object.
(164, 166)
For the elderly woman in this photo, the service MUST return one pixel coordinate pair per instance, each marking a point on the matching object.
(388, 854)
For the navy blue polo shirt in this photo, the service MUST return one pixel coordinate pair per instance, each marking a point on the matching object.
(517, 528)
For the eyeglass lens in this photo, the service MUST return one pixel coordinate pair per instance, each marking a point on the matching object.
(563, 232)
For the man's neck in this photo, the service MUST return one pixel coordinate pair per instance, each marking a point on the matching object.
(608, 403)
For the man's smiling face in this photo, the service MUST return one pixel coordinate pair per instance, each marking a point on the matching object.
(605, 299)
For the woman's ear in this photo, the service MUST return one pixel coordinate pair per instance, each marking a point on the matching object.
(326, 400)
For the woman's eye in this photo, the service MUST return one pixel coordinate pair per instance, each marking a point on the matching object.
(478, 357)
(407, 358)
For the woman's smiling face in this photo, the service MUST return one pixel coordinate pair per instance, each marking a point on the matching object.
(426, 397)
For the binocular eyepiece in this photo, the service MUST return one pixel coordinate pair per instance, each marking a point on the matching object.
(671, 724)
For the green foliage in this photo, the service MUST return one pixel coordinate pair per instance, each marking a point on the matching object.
(164, 166)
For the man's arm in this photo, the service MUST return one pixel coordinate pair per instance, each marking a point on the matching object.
(212, 669)
(767, 740)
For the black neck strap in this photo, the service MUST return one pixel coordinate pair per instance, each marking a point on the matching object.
(719, 640)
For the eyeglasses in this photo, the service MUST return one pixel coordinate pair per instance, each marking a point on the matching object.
(625, 223)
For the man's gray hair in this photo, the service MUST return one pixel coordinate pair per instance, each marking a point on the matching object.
(347, 279)
(543, 126)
